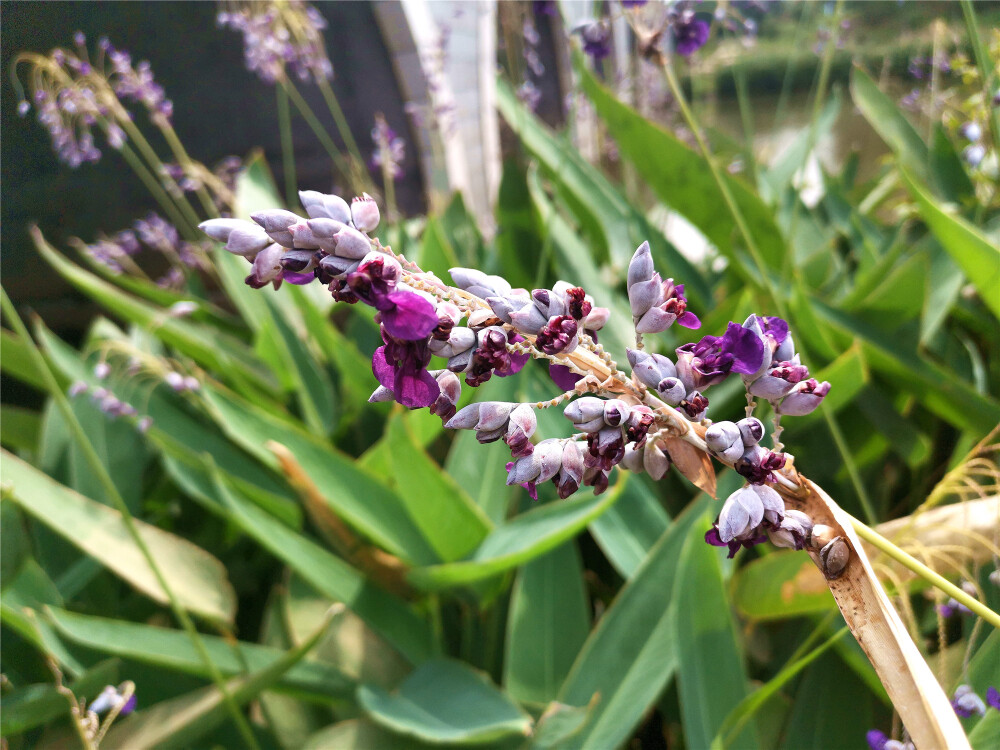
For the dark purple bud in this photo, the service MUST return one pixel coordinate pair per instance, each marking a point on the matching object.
(690, 33)
(558, 335)
(571, 473)
(331, 267)
(605, 448)
(596, 36)
(596, 478)
(758, 464)
(578, 307)
(638, 424)
(298, 261)
(876, 739)
(694, 406)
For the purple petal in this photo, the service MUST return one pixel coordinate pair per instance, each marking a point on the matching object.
(745, 346)
(517, 361)
(299, 279)
(410, 317)
(563, 377)
(689, 320)
(993, 697)
(129, 706)
(713, 538)
(774, 327)
(383, 370)
(416, 390)
(876, 739)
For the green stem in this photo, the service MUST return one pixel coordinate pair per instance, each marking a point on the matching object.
(156, 189)
(181, 154)
(287, 149)
(340, 120)
(881, 543)
(852, 469)
(723, 185)
(985, 71)
(154, 162)
(111, 491)
(317, 127)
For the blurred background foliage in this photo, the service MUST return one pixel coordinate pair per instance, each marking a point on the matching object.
(268, 490)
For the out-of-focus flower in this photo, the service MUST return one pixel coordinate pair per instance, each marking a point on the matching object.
(280, 38)
(690, 32)
(390, 149)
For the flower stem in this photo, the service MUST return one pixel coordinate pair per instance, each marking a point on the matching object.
(156, 190)
(317, 127)
(111, 491)
(338, 117)
(935, 579)
(287, 149)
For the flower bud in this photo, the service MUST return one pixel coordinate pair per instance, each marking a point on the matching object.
(303, 237)
(298, 261)
(266, 267)
(632, 459)
(521, 426)
(451, 391)
(381, 394)
(586, 414)
(649, 369)
(324, 206)
(616, 412)
(597, 319)
(803, 398)
(350, 243)
(751, 430)
(671, 391)
(640, 268)
(694, 406)
(722, 435)
(655, 460)
(571, 474)
(528, 319)
(966, 703)
(524, 469)
(550, 456)
(276, 222)
(478, 283)
(794, 530)
(460, 340)
(364, 213)
(494, 415)
(779, 380)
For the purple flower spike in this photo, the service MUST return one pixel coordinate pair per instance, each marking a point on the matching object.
(596, 37)
(710, 360)
(993, 697)
(408, 316)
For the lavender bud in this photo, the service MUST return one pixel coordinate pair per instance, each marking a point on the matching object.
(144, 424)
(350, 243)
(175, 380)
(102, 370)
(502, 308)
(650, 369)
(571, 474)
(779, 379)
(478, 283)
(298, 261)
(450, 391)
(493, 415)
(183, 308)
(303, 237)
(276, 222)
(266, 266)
(524, 469)
(671, 391)
(520, 427)
(381, 394)
(461, 362)
(550, 457)
(466, 418)
(794, 530)
(191, 383)
(460, 340)
(633, 460)
(644, 295)
(616, 412)
(751, 430)
(803, 398)
(655, 460)
(597, 319)
(785, 351)
(587, 414)
(529, 319)
(364, 213)
(241, 237)
(77, 388)
(324, 206)
(722, 435)
(640, 268)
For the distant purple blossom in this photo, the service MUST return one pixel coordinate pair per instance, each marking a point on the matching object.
(281, 38)
(390, 149)
(690, 33)
(596, 36)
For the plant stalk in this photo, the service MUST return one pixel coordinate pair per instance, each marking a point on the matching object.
(935, 579)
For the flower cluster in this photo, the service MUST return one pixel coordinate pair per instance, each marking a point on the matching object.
(105, 400)
(279, 38)
(483, 327)
(72, 94)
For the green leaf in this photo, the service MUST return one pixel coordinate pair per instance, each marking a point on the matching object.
(780, 585)
(222, 354)
(627, 531)
(520, 247)
(547, 625)
(683, 180)
(986, 734)
(352, 494)
(975, 254)
(196, 578)
(385, 614)
(938, 388)
(436, 253)
(559, 724)
(887, 120)
(947, 171)
(710, 675)
(451, 523)
(34, 705)
(361, 734)
(172, 649)
(180, 721)
(446, 701)
(21, 427)
(511, 544)
(16, 362)
(632, 653)
(595, 199)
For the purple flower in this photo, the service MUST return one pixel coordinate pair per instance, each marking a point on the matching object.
(390, 149)
(558, 335)
(633, 3)
(758, 465)
(563, 377)
(400, 366)
(876, 739)
(596, 37)
(492, 357)
(690, 33)
(408, 316)
(779, 380)
(993, 697)
(966, 703)
(710, 360)
(803, 398)
(545, 8)
(712, 537)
